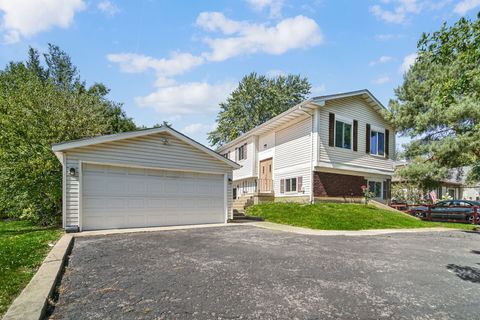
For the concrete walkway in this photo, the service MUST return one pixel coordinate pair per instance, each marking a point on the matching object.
(307, 231)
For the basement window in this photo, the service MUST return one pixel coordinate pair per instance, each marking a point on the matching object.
(291, 185)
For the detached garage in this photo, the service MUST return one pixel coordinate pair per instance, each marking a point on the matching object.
(147, 178)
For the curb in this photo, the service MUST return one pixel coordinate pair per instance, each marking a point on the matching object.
(31, 304)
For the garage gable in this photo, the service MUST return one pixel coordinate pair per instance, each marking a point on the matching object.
(156, 148)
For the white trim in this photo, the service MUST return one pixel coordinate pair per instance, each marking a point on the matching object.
(80, 195)
(352, 167)
(225, 195)
(140, 133)
(64, 190)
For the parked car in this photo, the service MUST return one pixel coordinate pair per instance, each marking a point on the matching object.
(461, 210)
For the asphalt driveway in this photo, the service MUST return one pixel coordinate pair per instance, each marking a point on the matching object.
(244, 272)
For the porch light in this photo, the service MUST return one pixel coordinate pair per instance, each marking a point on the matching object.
(72, 171)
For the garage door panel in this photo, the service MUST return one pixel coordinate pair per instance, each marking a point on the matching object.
(125, 198)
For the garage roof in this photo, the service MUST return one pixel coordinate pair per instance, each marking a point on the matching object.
(63, 146)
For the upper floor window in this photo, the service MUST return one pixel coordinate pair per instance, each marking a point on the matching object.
(242, 152)
(226, 155)
(343, 134)
(377, 142)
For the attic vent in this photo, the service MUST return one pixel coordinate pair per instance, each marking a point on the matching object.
(165, 141)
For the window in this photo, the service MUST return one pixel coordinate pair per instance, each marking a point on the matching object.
(377, 143)
(376, 188)
(451, 193)
(242, 152)
(343, 135)
(291, 185)
(226, 155)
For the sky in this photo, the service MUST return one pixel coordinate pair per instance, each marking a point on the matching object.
(176, 61)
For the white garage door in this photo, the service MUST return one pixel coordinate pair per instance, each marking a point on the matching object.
(117, 197)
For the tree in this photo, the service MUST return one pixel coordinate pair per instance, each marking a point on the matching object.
(438, 104)
(40, 106)
(256, 100)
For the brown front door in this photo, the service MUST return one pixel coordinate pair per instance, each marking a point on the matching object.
(265, 181)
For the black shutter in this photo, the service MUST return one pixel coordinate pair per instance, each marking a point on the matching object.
(387, 142)
(389, 189)
(331, 129)
(355, 135)
(367, 142)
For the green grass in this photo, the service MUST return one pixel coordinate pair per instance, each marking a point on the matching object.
(23, 246)
(342, 216)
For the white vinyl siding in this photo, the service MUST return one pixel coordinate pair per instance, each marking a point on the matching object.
(354, 108)
(292, 156)
(146, 151)
(292, 145)
(248, 168)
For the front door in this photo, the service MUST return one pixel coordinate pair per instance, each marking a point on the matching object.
(265, 182)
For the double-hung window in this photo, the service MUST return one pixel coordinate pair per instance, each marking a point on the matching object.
(377, 142)
(343, 134)
(291, 185)
(242, 154)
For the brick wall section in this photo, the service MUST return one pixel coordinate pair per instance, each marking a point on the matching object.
(337, 185)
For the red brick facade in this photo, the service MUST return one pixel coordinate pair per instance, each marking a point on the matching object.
(337, 185)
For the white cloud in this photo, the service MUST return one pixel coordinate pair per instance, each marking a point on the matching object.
(196, 128)
(108, 7)
(275, 6)
(178, 63)
(216, 21)
(381, 60)
(318, 90)
(187, 98)
(275, 73)
(408, 61)
(466, 5)
(290, 33)
(400, 11)
(25, 18)
(381, 80)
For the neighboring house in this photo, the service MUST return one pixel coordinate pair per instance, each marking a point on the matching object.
(324, 148)
(455, 186)
(146, 178)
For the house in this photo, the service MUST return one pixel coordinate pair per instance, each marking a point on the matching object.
(152, 177)
(455, 186)
(323, 149)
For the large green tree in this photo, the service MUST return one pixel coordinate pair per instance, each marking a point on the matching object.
(438, 104)
(41, 104)
(256, 100)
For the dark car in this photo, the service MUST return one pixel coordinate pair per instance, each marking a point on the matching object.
(462, 210)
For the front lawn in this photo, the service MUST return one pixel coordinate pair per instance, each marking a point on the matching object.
(341, 216)
(23, 246)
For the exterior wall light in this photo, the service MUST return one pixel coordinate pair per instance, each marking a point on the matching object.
(72, 172)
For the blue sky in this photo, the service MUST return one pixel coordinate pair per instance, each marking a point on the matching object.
(176, 60)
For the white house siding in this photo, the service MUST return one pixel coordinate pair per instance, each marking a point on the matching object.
(248, 168)
(146, 151)
(292, 156)
(266, 146)
(354, 108)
